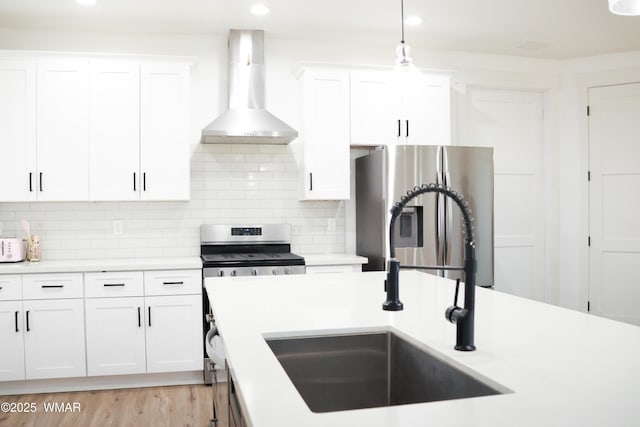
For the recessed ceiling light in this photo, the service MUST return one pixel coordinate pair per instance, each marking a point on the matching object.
(86, 2)
(413, 20)
(259, 9)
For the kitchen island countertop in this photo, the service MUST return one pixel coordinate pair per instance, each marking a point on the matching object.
(565, 368)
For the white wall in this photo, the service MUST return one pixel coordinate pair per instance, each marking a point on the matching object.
(229, 184)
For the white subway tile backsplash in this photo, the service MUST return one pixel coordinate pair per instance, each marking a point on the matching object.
(254, 184)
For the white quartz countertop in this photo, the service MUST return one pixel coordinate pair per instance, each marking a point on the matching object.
(565, 368)
(90, 265)
(333, 259)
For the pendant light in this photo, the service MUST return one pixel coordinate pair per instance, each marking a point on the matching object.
(405, 73)
(625, 7)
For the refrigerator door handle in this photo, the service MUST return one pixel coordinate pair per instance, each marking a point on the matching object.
(448, 210)
(440, 213)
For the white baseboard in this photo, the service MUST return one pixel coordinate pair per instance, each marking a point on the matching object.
(102, 383)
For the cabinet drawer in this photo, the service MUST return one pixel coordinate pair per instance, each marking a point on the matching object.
(321, 269)
(173, 282)
(113, 284)
(52, 286)
(10, 287)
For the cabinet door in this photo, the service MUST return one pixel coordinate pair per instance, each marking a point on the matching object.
(115, 336)
(426, 112)
(164, 148)
(325, 135)
(11, 337)
(175, 339)
(17, 130)
(114, 130)
(375, 111)
(54, 338)
(62, 130)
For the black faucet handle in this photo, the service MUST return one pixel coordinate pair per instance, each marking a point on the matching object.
(455, 312)
(455, 297)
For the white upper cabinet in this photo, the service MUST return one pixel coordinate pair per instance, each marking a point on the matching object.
(324, 137)
(114, 130)
(426, 111)
(375, 114)
(62, 130)
(76, 128)
(17, 130)
(164, 148)
(384, 112)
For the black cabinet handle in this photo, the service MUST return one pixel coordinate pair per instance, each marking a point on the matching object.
(17, 330)
(113, 284)
(407, 128)
(31, 181)
(399, 128)
(139, 321)
(144, 181)
(41, 182)
(310, 181)
(51, 286)
(149, 316)
(173, 283)
(134, 182)
(28, 329)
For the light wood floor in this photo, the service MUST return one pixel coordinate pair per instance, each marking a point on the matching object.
(188, 405)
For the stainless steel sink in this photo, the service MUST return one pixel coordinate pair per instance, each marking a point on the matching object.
(355, 371)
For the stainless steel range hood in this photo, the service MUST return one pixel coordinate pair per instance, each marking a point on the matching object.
(247, 121)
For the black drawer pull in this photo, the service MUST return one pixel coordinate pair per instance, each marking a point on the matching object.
(52, 286)
(0, 288)
(17, 330)
(28, 329)
(31, 182)
(139, 322)
(149, 316)
(173, 283)
(113, 284)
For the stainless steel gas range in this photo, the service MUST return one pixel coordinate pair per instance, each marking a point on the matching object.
(244, 250)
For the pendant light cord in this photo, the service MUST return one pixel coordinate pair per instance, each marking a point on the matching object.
(402, 19)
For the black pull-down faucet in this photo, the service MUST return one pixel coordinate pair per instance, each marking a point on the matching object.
(462, 317)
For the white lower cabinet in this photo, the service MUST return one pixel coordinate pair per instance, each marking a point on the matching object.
(341, 268)
(174, 333)
(134, 323)
(143, 333)
(54, 344)
(12, 339)
(115, 336)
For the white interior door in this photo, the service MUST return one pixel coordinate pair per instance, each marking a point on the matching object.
(512, 122)
(614, 151)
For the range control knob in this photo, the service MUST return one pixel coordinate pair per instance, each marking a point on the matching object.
(287, 270)
(233, 272)
(274, 271)
(220, 273)
(254, 272)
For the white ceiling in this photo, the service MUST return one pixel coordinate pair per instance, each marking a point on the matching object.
(559, 29)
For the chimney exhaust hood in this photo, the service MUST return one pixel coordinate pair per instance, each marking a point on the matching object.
(247, 121)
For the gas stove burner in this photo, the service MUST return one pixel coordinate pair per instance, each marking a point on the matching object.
(229, 250)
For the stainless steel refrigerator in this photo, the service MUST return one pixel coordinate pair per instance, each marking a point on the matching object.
(429, 230)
